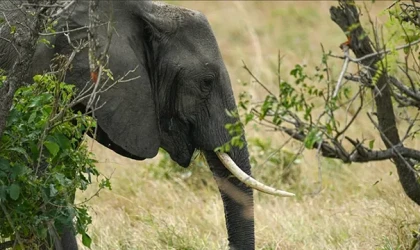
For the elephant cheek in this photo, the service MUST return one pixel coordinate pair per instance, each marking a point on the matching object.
(211, 136)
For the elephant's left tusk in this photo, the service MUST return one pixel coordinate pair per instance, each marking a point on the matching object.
(248, 180)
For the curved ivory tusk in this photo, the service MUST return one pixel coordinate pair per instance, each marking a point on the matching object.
(248, 180)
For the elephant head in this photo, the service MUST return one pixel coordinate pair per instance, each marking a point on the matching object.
(175, 96)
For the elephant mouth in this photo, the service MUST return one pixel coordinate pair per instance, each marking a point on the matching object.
(176, 140)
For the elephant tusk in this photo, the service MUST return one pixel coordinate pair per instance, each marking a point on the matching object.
(248, 180)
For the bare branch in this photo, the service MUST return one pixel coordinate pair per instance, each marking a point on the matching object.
(404, 89)
(380, 155)
(343, 70)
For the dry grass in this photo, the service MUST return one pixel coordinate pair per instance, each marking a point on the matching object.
(154, 206)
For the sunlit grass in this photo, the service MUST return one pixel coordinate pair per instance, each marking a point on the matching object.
(156, 205)
(359, 207)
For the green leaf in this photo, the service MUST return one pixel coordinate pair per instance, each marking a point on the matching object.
(44, 41)
(105, 184)
(4, 164)
(248, 118)
(371, 144)
(12, 29)
(62, 180)
(313, 137)
(37, 78)
(267, 106)
(52, 147)
(53, 191)
(40, 100)
(17, 170)
(86, 240)
(63, 141)
(13, 116)
(14, 191)
(32, 117)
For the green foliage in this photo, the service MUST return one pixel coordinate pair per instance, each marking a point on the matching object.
(399, 30)
(293, 105)
(314, 136)
(235, 131)
(293, 97)
(43, 163)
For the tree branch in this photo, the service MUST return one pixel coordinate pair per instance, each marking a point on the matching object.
(380, 155)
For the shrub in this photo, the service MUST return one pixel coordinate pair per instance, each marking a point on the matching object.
(42, 163)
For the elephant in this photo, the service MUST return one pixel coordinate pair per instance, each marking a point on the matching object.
(175, 98)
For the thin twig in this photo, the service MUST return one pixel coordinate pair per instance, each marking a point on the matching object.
(257, 80)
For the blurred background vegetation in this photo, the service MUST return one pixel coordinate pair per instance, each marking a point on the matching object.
(156, 204)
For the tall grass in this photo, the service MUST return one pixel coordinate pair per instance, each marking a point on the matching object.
(155, 204)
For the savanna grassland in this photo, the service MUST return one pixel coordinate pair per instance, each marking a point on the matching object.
(155, 204)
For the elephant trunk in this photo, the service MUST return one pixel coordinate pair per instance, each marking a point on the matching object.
(237, 198)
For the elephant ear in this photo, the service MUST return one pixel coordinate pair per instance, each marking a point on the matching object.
(128, 116)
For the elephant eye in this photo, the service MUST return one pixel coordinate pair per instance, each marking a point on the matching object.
(207, 83)
(208, 79)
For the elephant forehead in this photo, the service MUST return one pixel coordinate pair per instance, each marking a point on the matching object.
(172, 12)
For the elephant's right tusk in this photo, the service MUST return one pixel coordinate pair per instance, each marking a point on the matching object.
(248, 180)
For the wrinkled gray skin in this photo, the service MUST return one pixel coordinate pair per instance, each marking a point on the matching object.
(178, 103)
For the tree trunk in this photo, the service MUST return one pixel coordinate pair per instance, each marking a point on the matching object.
(346, 16)
(17, 49)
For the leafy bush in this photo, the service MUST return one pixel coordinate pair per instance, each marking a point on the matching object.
(43, 163)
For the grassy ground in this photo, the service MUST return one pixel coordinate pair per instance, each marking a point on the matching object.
(157, 205)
